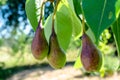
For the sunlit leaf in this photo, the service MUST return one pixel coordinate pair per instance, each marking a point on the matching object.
(48, 27)
(64, 29)
(78, 63)
(77, 30)
(76, 23)
(70, 2)
(30, 8)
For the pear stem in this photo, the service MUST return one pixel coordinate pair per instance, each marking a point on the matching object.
(41, 12)
(53, 17)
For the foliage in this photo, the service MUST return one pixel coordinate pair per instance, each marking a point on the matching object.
(68, 16)
(2, 2)
(32, 16)
(99, 15)
(102, 13)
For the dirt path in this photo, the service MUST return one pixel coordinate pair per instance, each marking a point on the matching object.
(67, 73)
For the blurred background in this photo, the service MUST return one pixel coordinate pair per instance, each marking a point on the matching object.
(17, 62)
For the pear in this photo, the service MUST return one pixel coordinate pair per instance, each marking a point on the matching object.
(91, 58)
(56, 56)
(39, 45)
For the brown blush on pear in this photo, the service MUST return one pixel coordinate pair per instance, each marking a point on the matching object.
(91, 58)
(39, 45)
(56, 56)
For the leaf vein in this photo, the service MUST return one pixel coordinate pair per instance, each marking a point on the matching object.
(103, 10)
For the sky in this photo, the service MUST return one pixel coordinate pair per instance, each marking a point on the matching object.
(26, 30)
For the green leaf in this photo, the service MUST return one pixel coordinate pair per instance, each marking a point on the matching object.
(63, 29)
(78, 63)
(66, 23)
(70, 2)
(48, 27)
(76, 23)
(99, 14)
(117, 8)
(30, 8)
(70, 21)
(116, 32)
(63, 26)
(77, 7)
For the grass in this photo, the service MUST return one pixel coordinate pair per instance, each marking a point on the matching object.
(19, 59)
(10, 63)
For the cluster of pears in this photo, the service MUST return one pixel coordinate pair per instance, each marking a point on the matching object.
(41, 49)
(91, 57)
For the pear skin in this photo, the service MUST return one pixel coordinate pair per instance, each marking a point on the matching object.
(91, 58)
(39, 45)
(56, 56)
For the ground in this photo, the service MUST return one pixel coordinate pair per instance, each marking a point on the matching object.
(67, 73)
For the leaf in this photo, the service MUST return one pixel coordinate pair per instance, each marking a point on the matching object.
(48, 27)
(116, 32)
(30, 8)
(70, 21)
(66, 23)
(99, 14)
(77, 7)
(117, 8)
(70, 2)
(78, 63)
(63, 29)
(63, 26)
(76, 23)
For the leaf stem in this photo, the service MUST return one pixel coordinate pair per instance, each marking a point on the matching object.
(41, 11)
(41, 14)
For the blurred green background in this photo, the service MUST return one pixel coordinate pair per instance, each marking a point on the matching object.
(16, 35)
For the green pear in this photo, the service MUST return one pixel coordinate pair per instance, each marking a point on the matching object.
(56, 56)
(39, 45)
(91, 58)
